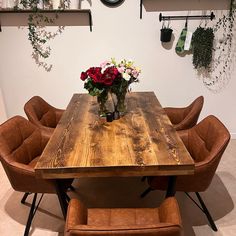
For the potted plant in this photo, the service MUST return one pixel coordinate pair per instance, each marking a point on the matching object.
(38, 35)
(110, 77)
(166, 34)
(202, 47)
(223, 51)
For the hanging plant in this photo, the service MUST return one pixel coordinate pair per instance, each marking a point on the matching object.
(38, 36)
(202, 46)
(223, 49)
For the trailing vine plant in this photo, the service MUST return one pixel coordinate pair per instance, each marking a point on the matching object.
(224, 50)
(38, 35)
(202, 46)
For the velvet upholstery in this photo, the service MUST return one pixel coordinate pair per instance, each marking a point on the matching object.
(43, 115)
(162, 221)
(206, 143)
(21, 144)
(185, 117)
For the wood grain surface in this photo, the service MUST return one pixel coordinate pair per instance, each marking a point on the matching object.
(141, 143)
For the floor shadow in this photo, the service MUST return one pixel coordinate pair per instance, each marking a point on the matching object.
(217, 200)
(48, 215)
(123, 192)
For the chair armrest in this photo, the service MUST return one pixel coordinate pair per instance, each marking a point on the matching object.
(46, 132)
(169, 211)
(59, 113)
(76, 214)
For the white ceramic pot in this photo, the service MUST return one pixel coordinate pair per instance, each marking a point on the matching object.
(74, 4)
(7, 3)
(56, 4)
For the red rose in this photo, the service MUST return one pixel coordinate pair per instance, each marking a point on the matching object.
(95, 74)
(109, 75)
(83, 76)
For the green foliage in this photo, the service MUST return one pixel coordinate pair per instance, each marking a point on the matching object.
(37, 35)
(94, 89)
(225, 24)
(202, 46)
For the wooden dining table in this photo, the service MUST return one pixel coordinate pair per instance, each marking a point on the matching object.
(143, 142)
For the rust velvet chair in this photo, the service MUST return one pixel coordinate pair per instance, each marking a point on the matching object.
(43, 115)
(21, 144)
(162, 221)
(206, 143)
(185, 117)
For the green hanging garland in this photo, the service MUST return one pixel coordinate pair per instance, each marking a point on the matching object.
(202, 46)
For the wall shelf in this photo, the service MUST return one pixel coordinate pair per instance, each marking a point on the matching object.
(59, 11)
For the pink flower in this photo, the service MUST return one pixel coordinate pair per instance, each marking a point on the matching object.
(121, 69)
(104, 64)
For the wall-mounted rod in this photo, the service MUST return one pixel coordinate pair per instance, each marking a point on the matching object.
(211, 17)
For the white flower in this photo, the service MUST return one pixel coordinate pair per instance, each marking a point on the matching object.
(126, 76)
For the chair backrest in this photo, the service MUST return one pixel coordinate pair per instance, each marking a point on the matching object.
(20, 143)
(39, 112)
(162, 221)
(206, 143)
(192, 112)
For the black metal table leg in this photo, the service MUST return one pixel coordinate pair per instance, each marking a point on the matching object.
(171, 186)
(62, 198)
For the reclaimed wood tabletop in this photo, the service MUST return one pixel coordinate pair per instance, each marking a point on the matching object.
(141, 143)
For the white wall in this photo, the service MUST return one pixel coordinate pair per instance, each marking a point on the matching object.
(117, 32)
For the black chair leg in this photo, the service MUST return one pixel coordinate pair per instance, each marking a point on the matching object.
(143, 178)
(146, 192)
(24, 198)
(67, 198)
(207, 213)
(72, 188)
(31, 215)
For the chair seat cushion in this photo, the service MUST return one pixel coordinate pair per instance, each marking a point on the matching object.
(122, 216)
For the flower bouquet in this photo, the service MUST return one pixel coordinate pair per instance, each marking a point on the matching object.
(111, 76)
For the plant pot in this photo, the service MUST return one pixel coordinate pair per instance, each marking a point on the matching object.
(166, 34)
(56, 4)
(74, 4)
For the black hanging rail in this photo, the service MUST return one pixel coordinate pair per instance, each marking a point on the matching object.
(211, 17)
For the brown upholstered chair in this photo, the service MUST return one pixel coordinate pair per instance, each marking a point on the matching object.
(43, 115)
(21, 144)
(206, 143)
(186, 117)
(162, 221)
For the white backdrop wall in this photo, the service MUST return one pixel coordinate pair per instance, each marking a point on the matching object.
(117, 32)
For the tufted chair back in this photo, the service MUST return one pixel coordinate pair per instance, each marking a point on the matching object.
(43, 115)
(206, 143)
(162, 221)
(21, 144)
(186, 117)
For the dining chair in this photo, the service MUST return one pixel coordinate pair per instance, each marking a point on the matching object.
(21, 144)
(185, 117)
(162, 221)
(42, 114)
(206, 143)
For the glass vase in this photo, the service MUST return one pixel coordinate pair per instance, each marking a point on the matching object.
(121, 105)
(102, 99)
